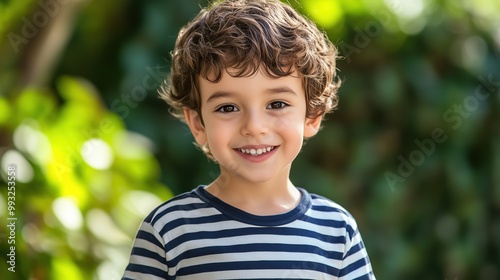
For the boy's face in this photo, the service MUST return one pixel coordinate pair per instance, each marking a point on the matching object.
(254, 126)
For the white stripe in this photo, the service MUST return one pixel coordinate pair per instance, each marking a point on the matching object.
(140, 260)
(145, 244)
(184, 201)
(261, 238)
(208, 227)
(364, 270)
(230, 225)
(327, 202)
(356, 256)
(136, 275)
(175, 215)
(262, 256)
(259, 274)
(333, 215)
(324, 230)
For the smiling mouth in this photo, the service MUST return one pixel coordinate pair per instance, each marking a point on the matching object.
(256, 152)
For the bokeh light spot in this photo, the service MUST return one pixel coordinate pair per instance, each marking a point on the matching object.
(97, 154)
(24, 171)
(67, 213)
(103, 227)
(28, 139)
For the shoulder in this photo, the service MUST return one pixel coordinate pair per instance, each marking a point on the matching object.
(326, 208)
(321, 203)
(176, 207)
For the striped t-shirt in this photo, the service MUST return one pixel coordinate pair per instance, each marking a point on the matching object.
(197, 236)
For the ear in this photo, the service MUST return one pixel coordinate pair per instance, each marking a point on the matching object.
(311, 126)
(193, 120)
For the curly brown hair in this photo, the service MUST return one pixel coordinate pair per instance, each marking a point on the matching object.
(248, 35)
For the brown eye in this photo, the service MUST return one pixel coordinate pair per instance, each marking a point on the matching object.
(277, 105)
(226, 109)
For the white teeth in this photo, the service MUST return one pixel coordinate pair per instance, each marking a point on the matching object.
(256, 152)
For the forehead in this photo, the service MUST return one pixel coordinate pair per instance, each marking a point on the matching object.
(248, 71)
(255, 83)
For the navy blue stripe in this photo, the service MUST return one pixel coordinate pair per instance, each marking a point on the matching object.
(353, 266)
(368, 276)
(351, 231)
(155, 212)
(354, 249)
(324, 222)
(270, 220)
(274, 278)
(258, 265)
(192, 221)
(148, 270)
(220, 218)
(325, 208)
(182, 207)
(255, 248)
(276, 231)
(148, 254)
(144, 235)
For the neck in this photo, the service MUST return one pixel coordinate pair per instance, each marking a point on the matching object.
(271, 197)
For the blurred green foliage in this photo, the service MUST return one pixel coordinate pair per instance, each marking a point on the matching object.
(413, 151)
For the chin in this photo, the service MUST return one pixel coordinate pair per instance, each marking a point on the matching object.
(252, 177)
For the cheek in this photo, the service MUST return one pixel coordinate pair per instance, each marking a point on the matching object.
(218, 134)
(289, 124)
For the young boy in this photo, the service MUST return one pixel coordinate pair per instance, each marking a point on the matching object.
(252, 79)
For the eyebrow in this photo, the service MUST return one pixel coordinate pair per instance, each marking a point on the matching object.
(221, 94)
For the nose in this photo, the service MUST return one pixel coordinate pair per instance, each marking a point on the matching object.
(254, 123)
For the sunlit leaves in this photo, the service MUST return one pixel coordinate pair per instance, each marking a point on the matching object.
(326, 13)
(81, 168)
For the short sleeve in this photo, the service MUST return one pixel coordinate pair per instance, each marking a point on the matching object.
(148, 257)
(355, 262)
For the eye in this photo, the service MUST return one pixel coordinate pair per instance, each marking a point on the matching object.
(226, 109)
(277, 105)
